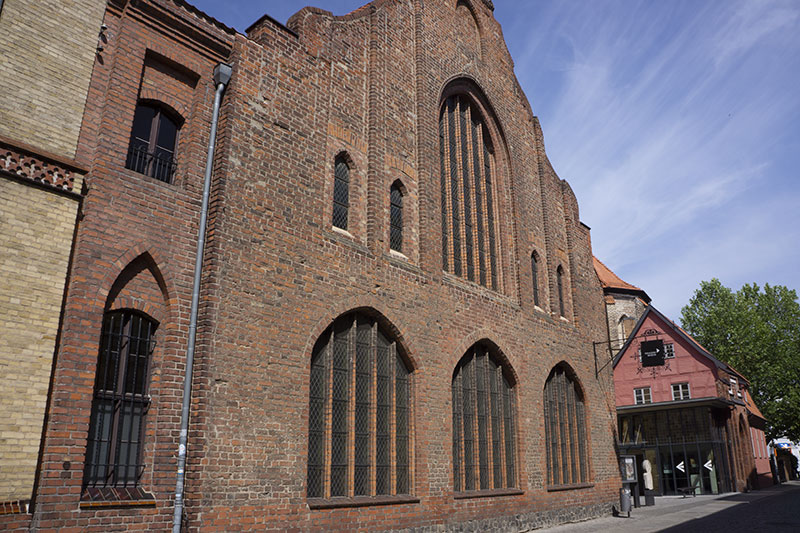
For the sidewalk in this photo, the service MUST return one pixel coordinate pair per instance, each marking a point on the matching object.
(670, 511)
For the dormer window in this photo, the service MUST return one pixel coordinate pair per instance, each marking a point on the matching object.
(154, 137)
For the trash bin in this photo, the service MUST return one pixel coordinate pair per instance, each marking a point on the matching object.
(649, 497)
(625, 500)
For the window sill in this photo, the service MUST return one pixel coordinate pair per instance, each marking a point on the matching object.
(115, 498)
(556, 488)
(360, 501)
(491, 493)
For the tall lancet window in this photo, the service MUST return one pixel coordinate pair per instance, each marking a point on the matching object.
(467, 169)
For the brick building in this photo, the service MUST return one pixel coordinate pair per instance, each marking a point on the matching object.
(398, 297)
(692, 417)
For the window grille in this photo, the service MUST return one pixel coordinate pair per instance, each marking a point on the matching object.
(153, 140)
(466, 157)
(565, 430)
(341, 192)
(483, 424)
(356, 369)
(121, 401)
(396, 219)
(535, 277)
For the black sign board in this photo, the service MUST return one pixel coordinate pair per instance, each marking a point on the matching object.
(653, 353)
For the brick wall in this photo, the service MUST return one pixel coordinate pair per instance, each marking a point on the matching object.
(36, 239)
(48, 52)
(370, 84)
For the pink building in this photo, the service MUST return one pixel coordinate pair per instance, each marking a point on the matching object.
(690, 415)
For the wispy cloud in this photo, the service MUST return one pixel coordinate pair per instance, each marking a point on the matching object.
(674, 123)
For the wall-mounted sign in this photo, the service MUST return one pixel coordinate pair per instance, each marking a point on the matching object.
(653, 353)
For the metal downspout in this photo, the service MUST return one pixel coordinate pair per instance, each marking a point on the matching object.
(222, 75)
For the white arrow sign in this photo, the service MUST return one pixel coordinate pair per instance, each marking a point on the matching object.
(709, 465)
(679, 466)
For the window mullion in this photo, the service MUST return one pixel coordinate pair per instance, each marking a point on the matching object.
(351, 408)
(476, 438)
(328, 410)
(393, 418)
(373, 411)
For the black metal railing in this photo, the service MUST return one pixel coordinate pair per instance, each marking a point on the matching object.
(157, 166)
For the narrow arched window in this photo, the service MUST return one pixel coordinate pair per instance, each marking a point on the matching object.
(560, 289)
(341, 192)
(565, 429)
(396, 218)
(359, 413)
(154, 138)
(120, 402)
(535, 277)
(467, 168)
(484, 432)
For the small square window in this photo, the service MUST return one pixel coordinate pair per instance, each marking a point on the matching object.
(669, 351)
(642, 395)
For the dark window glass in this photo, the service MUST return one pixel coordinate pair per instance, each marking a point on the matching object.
(396, 219)
(466, 160)
(535, 277)
(560, 289)
(483, 424)
(120, 402)
(565, 430)
(153, 139)
(341, 192)
(355, 349)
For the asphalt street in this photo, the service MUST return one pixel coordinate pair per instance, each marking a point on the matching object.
(776, 509)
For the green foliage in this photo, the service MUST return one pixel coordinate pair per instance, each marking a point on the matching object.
(757, 332)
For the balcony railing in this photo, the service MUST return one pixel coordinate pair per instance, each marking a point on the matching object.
(150, 164)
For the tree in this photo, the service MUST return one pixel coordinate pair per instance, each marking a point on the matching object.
(757, 332)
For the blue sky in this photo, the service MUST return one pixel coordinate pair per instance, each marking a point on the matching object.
(677, 124)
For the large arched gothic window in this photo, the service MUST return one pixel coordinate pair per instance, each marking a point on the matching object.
(484, 432)
(359, 416)
(467, 169)
(565, 429)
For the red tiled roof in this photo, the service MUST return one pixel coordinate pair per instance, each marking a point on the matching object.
(609, 280)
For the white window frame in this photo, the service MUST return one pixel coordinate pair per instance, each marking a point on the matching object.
(679, 388)
(646, 398)
(669, 350)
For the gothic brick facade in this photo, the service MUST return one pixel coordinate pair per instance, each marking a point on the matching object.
(414, 96)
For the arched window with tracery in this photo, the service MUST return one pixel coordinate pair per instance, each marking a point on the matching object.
(468, 169)
(484, 427)
(565, 429)
(359, 422)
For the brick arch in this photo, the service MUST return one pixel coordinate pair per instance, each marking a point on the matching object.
(508, 359)
(164, 99)
(371, 306)
(158, 267)
(464, 8)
